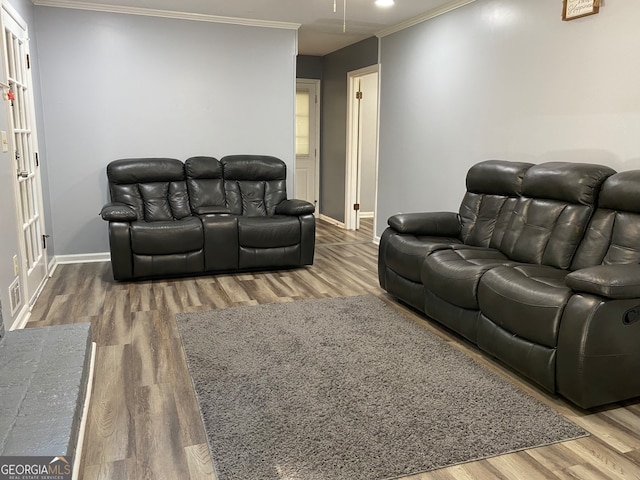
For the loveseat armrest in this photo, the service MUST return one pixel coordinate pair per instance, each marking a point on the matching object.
(118, 212)
(295, 207)
(610, 281)
(442, 224)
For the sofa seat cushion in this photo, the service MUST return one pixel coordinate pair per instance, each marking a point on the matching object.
(453, 274)
(405, 253)
(526, 300)
(167, 237)
(268, 231)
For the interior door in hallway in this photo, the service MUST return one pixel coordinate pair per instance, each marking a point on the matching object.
(362, 146)
(307, 157)
(23, 144)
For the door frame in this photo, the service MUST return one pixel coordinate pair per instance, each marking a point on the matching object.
(315, 84)
(352, 179)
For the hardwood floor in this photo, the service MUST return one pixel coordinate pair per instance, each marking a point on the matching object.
(144, 421)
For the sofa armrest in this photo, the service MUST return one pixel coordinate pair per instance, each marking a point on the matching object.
(610, 281)
(118, 212)
(442, 224)
(295, 207)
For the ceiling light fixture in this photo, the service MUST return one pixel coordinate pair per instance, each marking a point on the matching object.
(384, 3)
(344, 17)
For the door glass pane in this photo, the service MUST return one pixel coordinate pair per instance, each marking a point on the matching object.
(302, 123)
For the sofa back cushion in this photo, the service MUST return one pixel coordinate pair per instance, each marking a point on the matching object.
(154, 187)
(254, 184)
(204, 183)
(613, 236)
(493, 187)
(558, 199)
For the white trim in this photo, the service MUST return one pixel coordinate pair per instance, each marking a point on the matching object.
(85, 414)
(332, 221)
(152, 12)
(376, 240)
(83, 258)
(366, 214)
(422, 18)
(22, 318)
(15, 16)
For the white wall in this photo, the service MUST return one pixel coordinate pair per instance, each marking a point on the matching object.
(117, 86)
(504, 79)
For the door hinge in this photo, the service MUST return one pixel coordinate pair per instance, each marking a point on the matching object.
(28, 61)
(356, 206)
(37, 160)
(358, 95)
(44, 241)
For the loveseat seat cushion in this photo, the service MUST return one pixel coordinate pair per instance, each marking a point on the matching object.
(404, 254)
(268, 232)
(453, 274)
(525, 300)
(164, 238)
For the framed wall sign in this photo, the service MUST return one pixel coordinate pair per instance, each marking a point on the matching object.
(579, 8)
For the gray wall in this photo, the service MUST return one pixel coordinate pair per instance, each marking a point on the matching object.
(117, 85)
(504, 79)
(309, 66)
(333, 152)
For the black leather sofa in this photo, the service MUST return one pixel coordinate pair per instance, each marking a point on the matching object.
(540, 268)
(171, 218)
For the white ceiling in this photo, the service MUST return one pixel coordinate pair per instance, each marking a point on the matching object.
(321, 29)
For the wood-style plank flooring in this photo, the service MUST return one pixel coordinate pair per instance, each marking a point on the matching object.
(143, 418)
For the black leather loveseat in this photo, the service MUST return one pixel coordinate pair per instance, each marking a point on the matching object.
(540, 268)
(171, 218)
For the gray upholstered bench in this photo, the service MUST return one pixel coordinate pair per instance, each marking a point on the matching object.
(44, 376)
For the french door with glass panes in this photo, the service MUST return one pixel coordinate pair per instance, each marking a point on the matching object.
(17, 75)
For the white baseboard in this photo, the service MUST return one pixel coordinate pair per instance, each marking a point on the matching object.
(366, 214)
(332, 221)
(21, 319)
(83, 258)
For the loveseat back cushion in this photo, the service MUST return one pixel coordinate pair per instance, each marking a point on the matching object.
(612, 236)
(552, 215)
(254, 184)
(493, 187)
(154, 188)
(204, 183)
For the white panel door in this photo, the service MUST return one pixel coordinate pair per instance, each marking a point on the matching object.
(307, 164)
(17, 74)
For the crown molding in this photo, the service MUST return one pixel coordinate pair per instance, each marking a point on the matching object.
(424, 17)
(150, 12)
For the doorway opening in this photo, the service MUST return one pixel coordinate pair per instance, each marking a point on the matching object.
(362, 149)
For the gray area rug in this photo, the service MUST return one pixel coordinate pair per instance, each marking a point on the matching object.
(348, 389)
